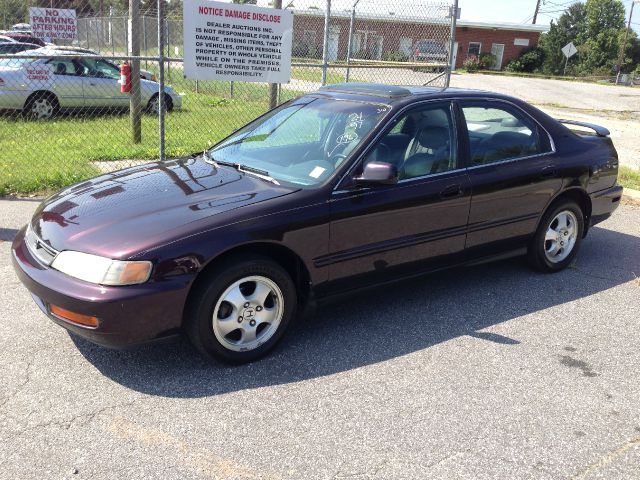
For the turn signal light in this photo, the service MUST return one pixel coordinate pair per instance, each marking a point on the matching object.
(78, 318)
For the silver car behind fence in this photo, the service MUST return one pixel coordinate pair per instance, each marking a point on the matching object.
(63, 80)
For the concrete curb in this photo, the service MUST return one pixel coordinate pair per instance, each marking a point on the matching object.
(631, 196)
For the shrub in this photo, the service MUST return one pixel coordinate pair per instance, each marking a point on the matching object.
(529, 61)
(395, 57)
(471, 64)
(486, 60)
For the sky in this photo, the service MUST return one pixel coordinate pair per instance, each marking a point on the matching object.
(507, 11)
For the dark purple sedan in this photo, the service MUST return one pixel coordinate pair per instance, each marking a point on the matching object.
(351, 186)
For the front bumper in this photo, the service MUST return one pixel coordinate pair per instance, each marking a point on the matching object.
(128, 315)
(604, 202)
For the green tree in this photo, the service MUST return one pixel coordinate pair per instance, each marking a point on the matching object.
(601, 47)
(570, 27)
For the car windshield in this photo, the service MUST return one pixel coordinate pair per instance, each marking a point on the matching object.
(302, 142)
(14, 62)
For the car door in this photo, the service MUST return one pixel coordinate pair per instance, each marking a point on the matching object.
(101, 84)
(67, 82)
(511, 166)
(378, 233)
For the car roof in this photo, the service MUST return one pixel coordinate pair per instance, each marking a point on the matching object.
(377, 92)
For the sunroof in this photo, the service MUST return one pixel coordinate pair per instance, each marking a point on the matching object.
(376, 89)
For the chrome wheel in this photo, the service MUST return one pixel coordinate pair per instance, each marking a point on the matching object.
(561, 236)
(41, 108)
(154, 105)
(248, 313)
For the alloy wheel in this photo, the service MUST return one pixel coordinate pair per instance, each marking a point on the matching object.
(561, 236)
(248, 313)
(42, 108)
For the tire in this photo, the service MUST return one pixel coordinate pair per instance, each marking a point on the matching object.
(152, 106)
(41, 106)
(558, 238)
(241, 310)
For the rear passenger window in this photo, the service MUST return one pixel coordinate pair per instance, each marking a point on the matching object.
(498, 133)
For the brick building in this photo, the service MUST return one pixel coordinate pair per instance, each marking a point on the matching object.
(393, 37)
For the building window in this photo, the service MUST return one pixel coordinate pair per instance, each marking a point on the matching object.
(309, 37)
(474, 49)
(523, 42)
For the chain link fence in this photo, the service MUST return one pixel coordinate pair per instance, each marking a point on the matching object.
(63, 117)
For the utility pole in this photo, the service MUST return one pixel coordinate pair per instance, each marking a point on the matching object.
(535, 14)
(135, 110)
(273, 87)
(624, 43)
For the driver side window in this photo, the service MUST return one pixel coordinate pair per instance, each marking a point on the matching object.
(421, 142)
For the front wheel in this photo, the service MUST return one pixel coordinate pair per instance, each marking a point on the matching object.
(558, 237)
(240, 312)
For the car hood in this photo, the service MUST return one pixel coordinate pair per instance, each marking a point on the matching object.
(129, 211)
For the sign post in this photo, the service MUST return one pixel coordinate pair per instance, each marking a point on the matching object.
(569, 50)
(233, 42)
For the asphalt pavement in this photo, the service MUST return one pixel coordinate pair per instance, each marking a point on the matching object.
(486, 372)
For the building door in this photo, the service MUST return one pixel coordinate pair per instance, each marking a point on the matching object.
(334, 39)
(406, 43)
(376, 46)
(497, 50)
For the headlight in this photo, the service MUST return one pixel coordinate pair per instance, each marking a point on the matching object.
(101, 270)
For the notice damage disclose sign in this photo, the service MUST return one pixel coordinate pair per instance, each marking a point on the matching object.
(49, 23)
(224, 41)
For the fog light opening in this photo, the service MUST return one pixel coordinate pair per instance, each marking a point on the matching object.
(77, 318)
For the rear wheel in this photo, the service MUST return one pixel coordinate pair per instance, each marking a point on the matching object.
(240, 312)
(41, 106)
(558, 237)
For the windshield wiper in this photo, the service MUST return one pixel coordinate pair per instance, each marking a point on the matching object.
(263, 174)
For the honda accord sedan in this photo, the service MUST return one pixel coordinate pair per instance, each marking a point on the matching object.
(352, 186)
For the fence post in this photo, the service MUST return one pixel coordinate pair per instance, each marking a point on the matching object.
(327, 16)
(273, 87)
(135, 111)
(350, 44)
(144, 40)
(161, 99)
(168, 32)
(450, 67)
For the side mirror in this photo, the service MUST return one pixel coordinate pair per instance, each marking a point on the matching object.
(378, 173)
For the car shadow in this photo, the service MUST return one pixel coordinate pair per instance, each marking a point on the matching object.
(382, 324)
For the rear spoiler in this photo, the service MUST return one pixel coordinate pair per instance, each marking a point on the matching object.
(600, 131)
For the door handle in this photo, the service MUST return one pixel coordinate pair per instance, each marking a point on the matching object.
(548, 172)
(452, 191)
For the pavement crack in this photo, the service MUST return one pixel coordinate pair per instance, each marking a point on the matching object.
(609, 457)
(66, 423)
(23, 384)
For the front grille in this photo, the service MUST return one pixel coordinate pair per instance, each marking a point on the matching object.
(43, 252)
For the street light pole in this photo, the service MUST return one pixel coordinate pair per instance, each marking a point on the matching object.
(624, 43)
